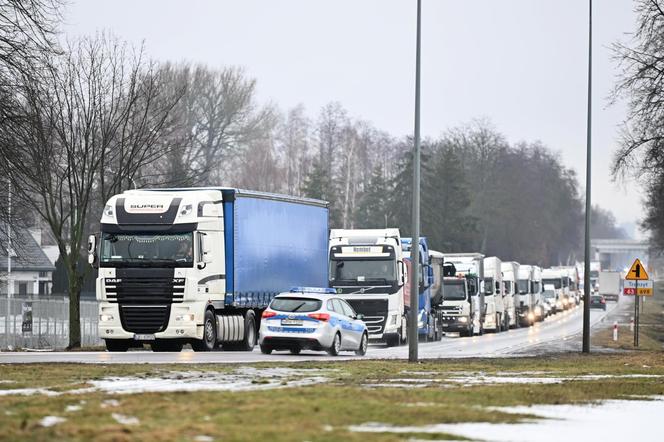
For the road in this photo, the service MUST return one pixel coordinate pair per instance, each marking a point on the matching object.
(561, 327)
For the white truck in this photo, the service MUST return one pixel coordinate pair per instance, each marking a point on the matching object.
(538, 293)
(199, 266)
(496, 317)
(525, 301)
(609, 285)
(471, 267)
(555, 277)
(367, 269)
(510, 280)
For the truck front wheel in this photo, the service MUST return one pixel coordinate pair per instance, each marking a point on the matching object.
(209, 340)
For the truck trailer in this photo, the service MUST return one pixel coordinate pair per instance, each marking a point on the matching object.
(426, 318)
(610, 285)
(199, 265)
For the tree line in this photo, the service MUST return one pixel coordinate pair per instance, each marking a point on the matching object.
(84, 120)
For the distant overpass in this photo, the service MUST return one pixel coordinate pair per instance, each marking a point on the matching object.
(617, 254)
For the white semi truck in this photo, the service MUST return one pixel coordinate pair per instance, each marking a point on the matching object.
(367, 269)
(496, 317)
(199, 266)
(469, 266)
(525, 300)
(538, 293)
(610, 285)
(510, 280)
(557, 278)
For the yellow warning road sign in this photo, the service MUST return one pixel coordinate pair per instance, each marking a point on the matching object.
(637, 272)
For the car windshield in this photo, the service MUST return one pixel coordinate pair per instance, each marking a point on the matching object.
(147, 249)
(381, 271)
(293, 305)
(523, 285)
(556, 282)
(454, 290)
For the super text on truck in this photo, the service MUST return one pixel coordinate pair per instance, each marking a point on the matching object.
(367, 269)
(199, 266)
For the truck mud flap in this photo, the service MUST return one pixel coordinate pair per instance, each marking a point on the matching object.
(230, 328)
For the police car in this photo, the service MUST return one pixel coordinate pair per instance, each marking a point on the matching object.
(310, 318)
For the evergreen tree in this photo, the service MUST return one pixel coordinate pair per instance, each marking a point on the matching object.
(318, 184)
(373, 211)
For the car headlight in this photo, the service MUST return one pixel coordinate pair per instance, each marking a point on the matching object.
(188, 317)
(105, 317)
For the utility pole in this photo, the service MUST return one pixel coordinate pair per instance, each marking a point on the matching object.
(586, 261)
(9, 258)
(415, 244)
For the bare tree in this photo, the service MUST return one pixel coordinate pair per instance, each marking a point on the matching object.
(97, 108)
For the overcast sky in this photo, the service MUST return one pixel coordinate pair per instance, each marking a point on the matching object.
(519, 63)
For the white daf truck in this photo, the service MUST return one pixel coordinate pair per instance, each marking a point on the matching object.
(496, 318)
(538, 293)
(510, 280)
(367, 269)
(198, 266)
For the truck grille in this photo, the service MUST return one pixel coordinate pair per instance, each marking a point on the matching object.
(144, 319)
(145, 290)
(374, 311)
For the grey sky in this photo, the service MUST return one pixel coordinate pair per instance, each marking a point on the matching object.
(519, 63)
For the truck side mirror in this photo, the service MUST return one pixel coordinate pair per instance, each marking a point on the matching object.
(402, 269)
(204, 252)
(429, 273)
(92, 250)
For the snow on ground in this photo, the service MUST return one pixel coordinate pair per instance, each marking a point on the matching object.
(49, 421)
(125, 420)
(241, 379)
(554, 423)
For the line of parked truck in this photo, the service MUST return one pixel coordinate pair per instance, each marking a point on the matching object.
(200, 266)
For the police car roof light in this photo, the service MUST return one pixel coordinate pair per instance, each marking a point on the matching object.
(324, 290)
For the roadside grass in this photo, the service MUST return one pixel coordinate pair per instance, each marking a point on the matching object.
(319, 412)
(651, 336)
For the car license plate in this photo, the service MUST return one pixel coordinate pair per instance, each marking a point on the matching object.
(144, 338)
(291, 322)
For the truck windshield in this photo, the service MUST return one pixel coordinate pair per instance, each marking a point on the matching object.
(523, 286)
(508, 286)
(454, 290)
(488, 286)
(556, 282)
(377, 271)
(549, 294)
(147, 249)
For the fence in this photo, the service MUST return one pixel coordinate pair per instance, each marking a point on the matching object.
(43, 322)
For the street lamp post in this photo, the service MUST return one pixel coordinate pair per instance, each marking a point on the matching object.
(415, 244)
(586, 260)
(9, 258)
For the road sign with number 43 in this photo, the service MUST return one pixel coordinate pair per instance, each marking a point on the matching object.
(639, 288)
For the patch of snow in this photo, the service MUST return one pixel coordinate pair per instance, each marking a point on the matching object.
(242, 379)
(110, 403)
(203, 438)
(423, 373)
(420, 404)
(71, 408)
(125, 420)
(328, 428)
(29, 392)
(394, 385)
(553, 423)
(49, 421)
(7, 382)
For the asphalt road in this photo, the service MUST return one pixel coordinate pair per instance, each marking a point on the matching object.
(561, 327)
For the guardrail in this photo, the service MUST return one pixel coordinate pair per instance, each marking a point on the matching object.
(42, 323)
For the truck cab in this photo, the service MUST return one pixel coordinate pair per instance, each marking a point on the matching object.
(510, 274)
(556, 278)
(537, 289)
(456, 305)
(367, 269)
(525, 302)
(425, 316)
(496, 318)
(471, 267)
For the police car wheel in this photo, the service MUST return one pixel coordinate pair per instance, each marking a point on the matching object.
(335, 348)
(364, 344)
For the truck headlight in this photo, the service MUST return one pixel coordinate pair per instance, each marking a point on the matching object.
(105, 317)
(463, 319)
(108, 210)
(188, 317)
(186, 210)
